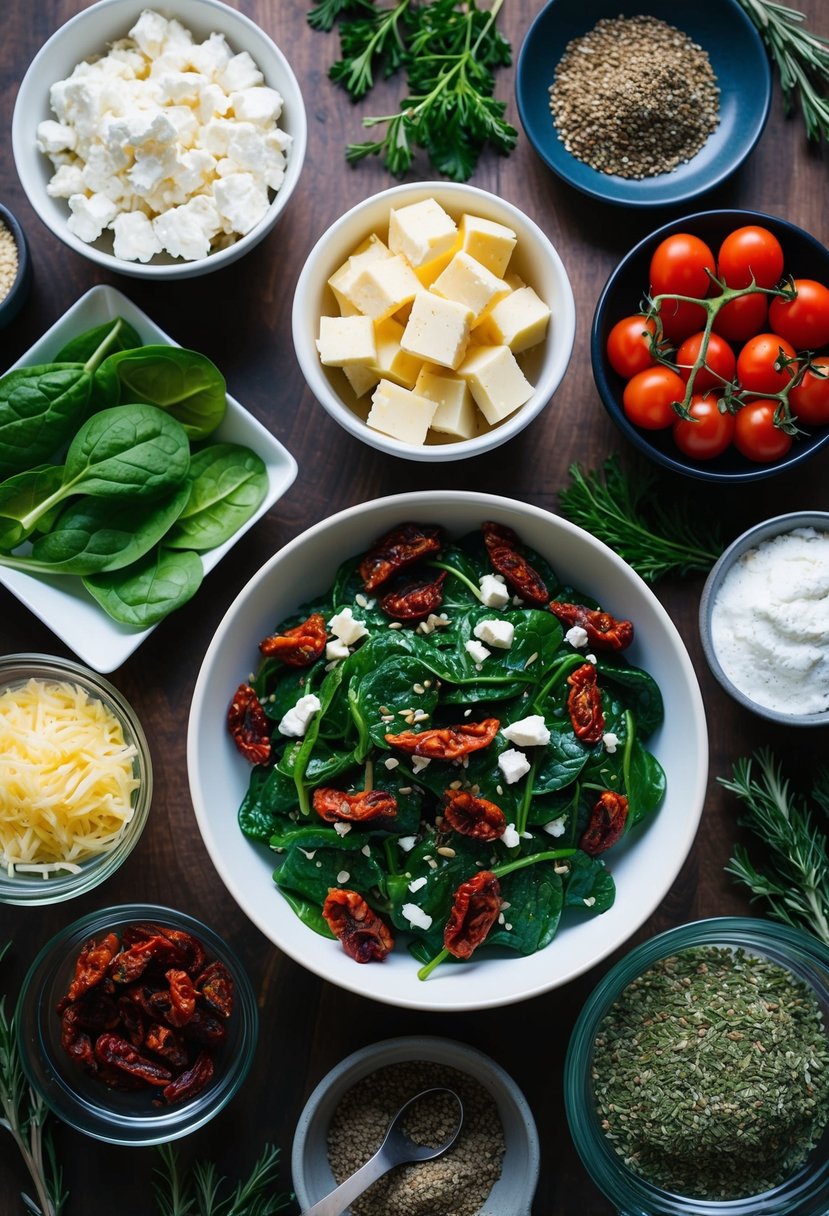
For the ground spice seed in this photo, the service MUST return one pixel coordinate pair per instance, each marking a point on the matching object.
(456, 1184)
(8, 261)
(711, 1074)
(634, 97)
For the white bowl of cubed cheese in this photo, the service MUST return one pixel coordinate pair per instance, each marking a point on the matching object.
(160, 141)
(433, 321)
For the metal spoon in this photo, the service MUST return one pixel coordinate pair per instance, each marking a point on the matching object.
(396, 1149)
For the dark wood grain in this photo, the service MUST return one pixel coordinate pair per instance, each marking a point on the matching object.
(241, 318)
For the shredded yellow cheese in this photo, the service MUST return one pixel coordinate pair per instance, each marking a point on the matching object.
(67, 778)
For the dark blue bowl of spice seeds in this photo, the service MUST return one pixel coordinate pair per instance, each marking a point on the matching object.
(15, 267)
(636, 104)
(697, 1074)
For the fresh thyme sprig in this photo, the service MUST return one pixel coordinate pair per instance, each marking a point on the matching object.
(795, 884)
(802, 60)
(202, 1191)
(652, 533)
(25, 1115)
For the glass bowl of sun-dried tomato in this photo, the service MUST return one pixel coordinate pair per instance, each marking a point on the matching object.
(136, 1024)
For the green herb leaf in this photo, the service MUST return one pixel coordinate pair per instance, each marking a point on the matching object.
(802, 60)
(117, 333)
(146, 591)
(41, 407)
(204, 1191)
(182, 382)
(227, 484)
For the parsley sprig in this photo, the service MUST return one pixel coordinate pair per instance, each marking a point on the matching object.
(449, 52)
(794, 882)
(802, 60)
(654, 533)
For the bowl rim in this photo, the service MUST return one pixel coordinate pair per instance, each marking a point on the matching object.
(32, 890)
(177, 269)
(628, 196)
(638, 438)
(10, 221)
(308, 358)
(119, 1127)
(464, 1057)
(486, 506)
(777, 525)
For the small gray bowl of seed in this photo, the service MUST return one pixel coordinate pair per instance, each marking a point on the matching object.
(15, 267)
(491, 1170)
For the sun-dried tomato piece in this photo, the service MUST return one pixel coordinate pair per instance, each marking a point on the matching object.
(204, 1027)
(91, 965)
(248, 725)
(506, 558)
(471, 816)
(182, 997)
(603, 631)
(584, 704)
(133, 1024)
(447, 742)
(606, 823)
(192, 1081)
(190, 949)
(475, 909)
(300, 646)
(215, 986)
(129, 965)
(334, 805)
(117, 1053)
(163, 1041)
(363, 934)
(414, 601)
(74, 1040)
(398, 549)
(97, 1010)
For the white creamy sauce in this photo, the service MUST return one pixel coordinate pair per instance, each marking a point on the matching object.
(770, 623)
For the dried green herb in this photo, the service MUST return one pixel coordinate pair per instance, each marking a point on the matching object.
(711, 1074)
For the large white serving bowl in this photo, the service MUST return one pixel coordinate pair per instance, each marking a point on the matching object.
(534, 259)
(87, 35)
(644, 865)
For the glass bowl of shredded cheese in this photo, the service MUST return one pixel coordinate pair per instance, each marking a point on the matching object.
(75, 779)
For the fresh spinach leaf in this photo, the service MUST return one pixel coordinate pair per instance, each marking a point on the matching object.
(182, 382)
(41, 407)
(227, 484)
(115, 335)
(589, 884)
(21, 496)
(144, 592)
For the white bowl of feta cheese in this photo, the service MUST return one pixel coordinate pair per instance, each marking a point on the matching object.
(764, 619)
(159, 141)
(433, 321)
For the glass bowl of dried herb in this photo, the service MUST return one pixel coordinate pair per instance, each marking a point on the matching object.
(697, 1075)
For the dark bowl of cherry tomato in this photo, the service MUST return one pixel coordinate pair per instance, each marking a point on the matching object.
(736, 387)
(136, 1024)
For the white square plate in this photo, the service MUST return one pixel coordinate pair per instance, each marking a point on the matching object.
(61, 601)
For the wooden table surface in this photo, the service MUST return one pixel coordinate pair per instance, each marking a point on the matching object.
(241, 318)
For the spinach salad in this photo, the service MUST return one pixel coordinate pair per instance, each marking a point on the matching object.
(332, 732)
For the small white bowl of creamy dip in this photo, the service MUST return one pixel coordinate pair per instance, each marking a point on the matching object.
(764, 619)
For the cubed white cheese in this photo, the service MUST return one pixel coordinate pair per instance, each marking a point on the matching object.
(494, 593)
(400, 413)
(421, 231)
(456, 414)
(416, 917)
(294, 724)
(528, 732)
(344, 626)
(488, 242)
(513, 765)
(495, 632)
(476, 650)
(496, 381)
(437, 329)
(468, 282)
(391, 362)
(383, 286)
(346, 340)
(518, 321)
(361, 378)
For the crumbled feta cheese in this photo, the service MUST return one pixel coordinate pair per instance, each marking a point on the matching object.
(66, 181)
(391, 762)
(90, 216)
(513, 764)
(55, 136)
(240, 72)
(366, 850)
(576, 636)
(342, 829)
(295, 722)
(528, 732)
(495, 632)
(611, 741)
(556, 827)
(407, 843)
(416, 917)
(135, 237)
(589, 901)
(476, 650)
(346, 628)
(419, 763)
(510, 836)
(257, 105)
(241, 200)
(591, 658)
(494, 592)
(336, 650)
(417, 883)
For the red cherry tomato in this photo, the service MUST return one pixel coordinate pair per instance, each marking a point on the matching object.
(648, 397)
(680, 319)
(680, 264)
(750, 252)
(742, 318)
(755, 364)
(720, 362)
(628, 349)
(709, 434)
(803, 321)
(810, 399)
(755, 434)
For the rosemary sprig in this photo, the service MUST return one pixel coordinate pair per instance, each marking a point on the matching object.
(802, 60)
(202, 1190)
(25, 1115)
(654, 535)
(795, 884)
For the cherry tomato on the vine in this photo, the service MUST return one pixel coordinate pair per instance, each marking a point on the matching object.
(756, 364)
(742, 317)
(628, 347)
(648, 397)
(803, 321)
(680, 265)
(755, 434)
(750, 252)
(710, 432)
(720, 362)
(810, 399)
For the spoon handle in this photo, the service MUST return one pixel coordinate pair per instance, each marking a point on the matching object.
(336, 1201)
